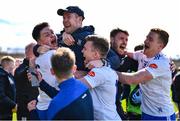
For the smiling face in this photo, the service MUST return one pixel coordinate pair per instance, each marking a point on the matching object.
(153, 44)
(71, 22)
(119, 42)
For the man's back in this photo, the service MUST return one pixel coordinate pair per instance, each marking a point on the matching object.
(73, 102)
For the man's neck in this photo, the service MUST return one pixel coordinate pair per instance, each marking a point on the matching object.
(151, 55)
(60, 80)
(74, 30)
(120, 52)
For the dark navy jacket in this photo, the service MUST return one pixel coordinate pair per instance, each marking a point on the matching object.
(176, 88)
(79, 37)
(25, 92)
(121, 63)
(73, 102)
(113, 59)
(7, 94)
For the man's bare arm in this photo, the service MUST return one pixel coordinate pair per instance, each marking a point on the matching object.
(140, 76)
(129, 54)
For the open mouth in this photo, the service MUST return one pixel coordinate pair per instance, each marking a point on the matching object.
(53, 42)
(146, 46)
(122, 47)
(67, 25)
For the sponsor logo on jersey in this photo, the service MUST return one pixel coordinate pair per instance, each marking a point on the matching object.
(153, 66)
(91, 73)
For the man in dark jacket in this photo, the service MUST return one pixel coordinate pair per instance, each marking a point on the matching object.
(7, 88)
(25, 92)
(73, 35)
(176, 90)
(121, 63)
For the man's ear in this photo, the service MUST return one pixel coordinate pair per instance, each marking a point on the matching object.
(74, 68)
(52, 71)
(80, 18)
(162, 45)
(111, 40)
(97, 54)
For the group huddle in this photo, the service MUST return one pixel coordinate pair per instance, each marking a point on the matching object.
(84, 76)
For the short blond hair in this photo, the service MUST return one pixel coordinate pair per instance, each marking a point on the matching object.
(6, 60)
(62, 62)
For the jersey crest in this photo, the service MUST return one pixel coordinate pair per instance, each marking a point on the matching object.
(153, 65)
(91, 73)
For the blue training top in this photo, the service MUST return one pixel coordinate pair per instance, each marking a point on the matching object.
(72, 102)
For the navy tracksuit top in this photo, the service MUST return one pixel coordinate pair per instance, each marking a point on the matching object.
(73, 102)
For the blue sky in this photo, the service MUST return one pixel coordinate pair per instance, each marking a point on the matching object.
(18, 17)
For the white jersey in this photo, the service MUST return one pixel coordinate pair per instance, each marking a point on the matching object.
(103, 82)
(156, 100)
(44, 63)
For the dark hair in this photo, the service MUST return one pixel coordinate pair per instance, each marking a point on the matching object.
(62, 62)
(163, 35)
(114, 32)
(139, 47)
(99, 43)
(37, 29)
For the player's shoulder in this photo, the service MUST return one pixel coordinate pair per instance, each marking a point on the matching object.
(162, 57)
(161, 60)
(103, 70)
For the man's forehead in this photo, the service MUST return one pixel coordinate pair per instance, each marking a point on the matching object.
(88, 43)
(68, 14)
(153, 34)
(121, 34)
(45, 30)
